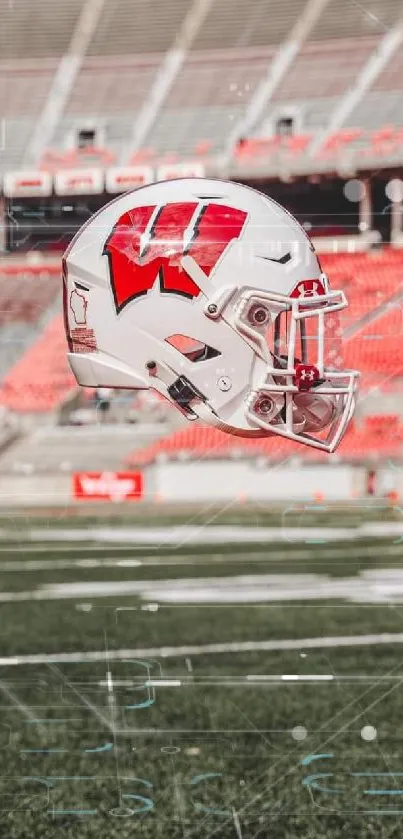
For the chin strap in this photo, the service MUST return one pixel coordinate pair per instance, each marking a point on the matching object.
(179, 389)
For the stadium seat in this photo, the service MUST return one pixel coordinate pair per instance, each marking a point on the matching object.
(26, 291)
(338, 141)
(365, 442)
(76, 157)
(297, 144)
(41, 379)
(202, 147)
(141, 156)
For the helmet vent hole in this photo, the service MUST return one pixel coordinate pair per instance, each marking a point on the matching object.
(193, 349)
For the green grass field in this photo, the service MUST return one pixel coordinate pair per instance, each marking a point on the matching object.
(145, 730)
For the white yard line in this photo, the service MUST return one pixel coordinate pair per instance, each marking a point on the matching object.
(377, 585)
(322, 553)
(21, 546)
(206, 649)
(180, 535)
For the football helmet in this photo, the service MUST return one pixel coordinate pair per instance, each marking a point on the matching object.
(210, 293)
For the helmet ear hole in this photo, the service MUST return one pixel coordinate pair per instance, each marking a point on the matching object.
(259, 315)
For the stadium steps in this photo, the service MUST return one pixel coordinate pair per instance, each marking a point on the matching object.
(53, 449)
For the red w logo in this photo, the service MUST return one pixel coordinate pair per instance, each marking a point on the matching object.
(147, 242)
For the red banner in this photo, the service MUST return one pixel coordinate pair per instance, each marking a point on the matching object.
(108, 486)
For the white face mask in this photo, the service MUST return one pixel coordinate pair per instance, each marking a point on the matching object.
(305, 394)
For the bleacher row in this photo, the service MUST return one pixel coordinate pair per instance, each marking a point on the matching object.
(373, 326)
(138, 26)
(26, 292)
(225, 61)
(384, 142)
(377, 437)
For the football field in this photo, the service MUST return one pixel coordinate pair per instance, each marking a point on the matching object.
(217, 675)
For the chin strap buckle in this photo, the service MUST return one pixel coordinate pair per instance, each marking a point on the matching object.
(182, 391)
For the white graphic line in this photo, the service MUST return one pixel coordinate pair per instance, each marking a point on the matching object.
(207, 649)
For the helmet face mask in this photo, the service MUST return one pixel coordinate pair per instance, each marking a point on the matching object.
(160, 277)
(302, 339)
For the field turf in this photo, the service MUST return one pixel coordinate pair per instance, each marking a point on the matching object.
(149, 741)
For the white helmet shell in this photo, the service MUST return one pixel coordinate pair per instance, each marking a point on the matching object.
(210, 293)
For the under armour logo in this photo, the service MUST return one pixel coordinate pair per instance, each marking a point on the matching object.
(305, 376)
(308, 374)
(307, 292)
(308, 288)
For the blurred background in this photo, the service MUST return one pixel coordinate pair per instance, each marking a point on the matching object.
(225, 609)
(302, 100)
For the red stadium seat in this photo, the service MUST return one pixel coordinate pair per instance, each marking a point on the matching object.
(203, 147)
(77, 157)
(387, 132)
(200, 442)
(297, 144)
(89, 156)
(41, 379)
(141, 156)
(27, 291)
(258, 147)
(338, 141)
(384, 142)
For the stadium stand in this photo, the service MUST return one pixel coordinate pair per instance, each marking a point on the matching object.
(377, 349)
(16, 134)
(340, 18)
(391, 79)
(369, 279)
(112, 85)
(55, 449)
(152, 28)
(28, 294)
(24, 86)
(75, 158)
(211, 91)
(268, 23)
(221, 65)
(33, 39)
(345, 146)
(204, 443)
(41, 378)
(26, 291)
(37, 30)
(321, 72)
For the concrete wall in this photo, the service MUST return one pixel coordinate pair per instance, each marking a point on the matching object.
(244, 480)
(218, 481)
